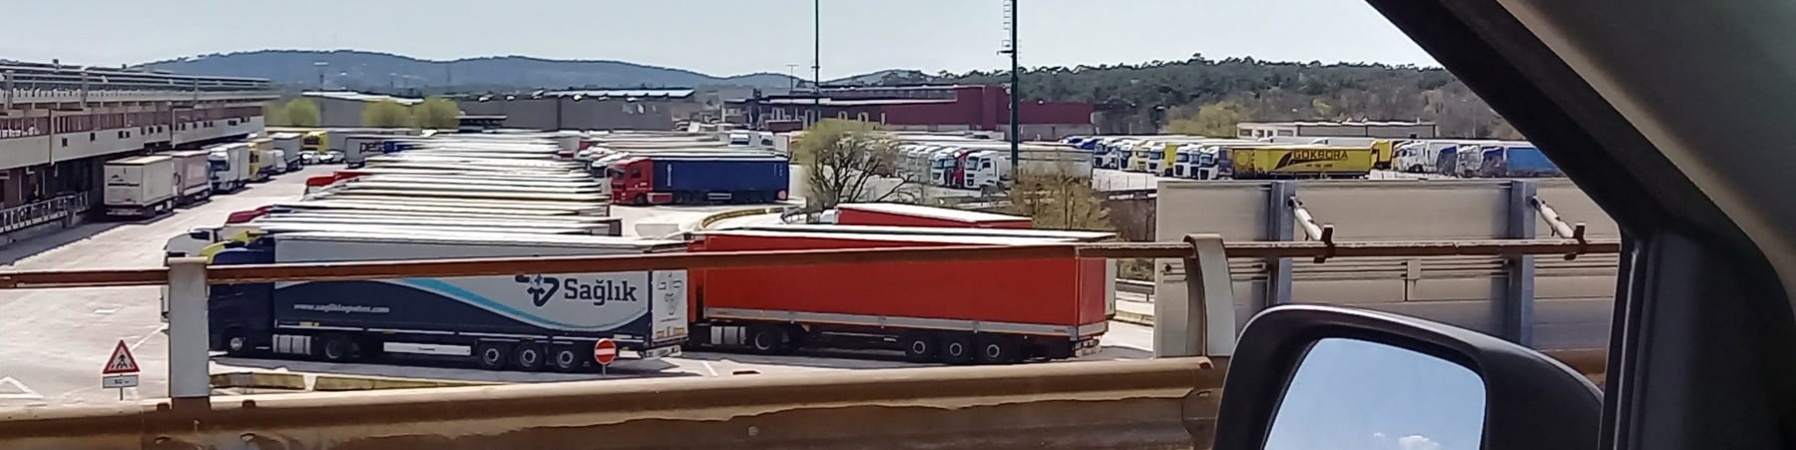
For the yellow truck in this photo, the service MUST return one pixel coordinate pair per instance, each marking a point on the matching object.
(317, 141)
(1298, 161)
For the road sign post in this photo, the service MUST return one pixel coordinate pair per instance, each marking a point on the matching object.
(120, 371)
(604, 352)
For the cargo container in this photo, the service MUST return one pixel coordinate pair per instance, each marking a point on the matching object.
(141, 186)
(958, 312)
(231, 167)
(896, 214)
(663, 180)
(1516, 161)
(193, 169)
(519, 322)
(1301, 161)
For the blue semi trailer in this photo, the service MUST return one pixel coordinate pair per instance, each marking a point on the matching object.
(518, 322)
(681, 180)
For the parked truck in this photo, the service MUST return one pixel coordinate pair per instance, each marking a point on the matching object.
(1516, 160)
(898, 214)
(193, 169)
(517, 322)
(231, 167)
(141, 186)
(1302, 161)
(660, 180)
(958, 312)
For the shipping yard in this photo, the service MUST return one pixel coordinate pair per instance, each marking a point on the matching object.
(769, 248)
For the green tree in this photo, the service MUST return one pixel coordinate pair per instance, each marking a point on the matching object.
(847, 161)
(387, 114)
(302, 112)
(437, 112)
(1213, 120)
(274, 113)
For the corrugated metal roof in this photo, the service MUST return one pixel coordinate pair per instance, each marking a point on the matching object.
(622, 93)
(360, 97)
(1339, 124)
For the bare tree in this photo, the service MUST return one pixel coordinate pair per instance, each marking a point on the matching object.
(1058, 200)
(848, 162)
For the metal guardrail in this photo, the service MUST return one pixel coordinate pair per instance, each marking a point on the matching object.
(1135, 286)
(46, 211)
(1160, 403)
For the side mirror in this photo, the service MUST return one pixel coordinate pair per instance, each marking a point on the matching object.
(1309, 376)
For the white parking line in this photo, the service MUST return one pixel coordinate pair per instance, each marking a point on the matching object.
(24, 393)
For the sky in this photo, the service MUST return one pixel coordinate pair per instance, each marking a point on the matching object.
(718, 37)
(1356, 395)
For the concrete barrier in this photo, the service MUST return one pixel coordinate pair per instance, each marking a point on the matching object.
(259, 380)
(708, 221)
(334, 383)
(1167, 403)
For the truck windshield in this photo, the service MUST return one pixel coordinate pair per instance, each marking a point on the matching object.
(1184, 158)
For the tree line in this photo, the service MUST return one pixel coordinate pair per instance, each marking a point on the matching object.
(1205, 96)
(434, 112)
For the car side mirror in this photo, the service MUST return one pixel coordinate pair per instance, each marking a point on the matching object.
(1312, 376)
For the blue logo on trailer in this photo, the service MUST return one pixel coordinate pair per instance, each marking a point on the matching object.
(542, 289)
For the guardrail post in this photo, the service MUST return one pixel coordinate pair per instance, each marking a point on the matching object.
(1518, 293)
(189, 376)
(1280, 215)
(1203, 324)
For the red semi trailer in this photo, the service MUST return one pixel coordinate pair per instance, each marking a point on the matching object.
(958, 312)
(897, 214)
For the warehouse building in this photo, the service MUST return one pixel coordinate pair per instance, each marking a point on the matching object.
(1395, 130)
(344, 109)
(588, 109)
(917, 108)
(59, 124)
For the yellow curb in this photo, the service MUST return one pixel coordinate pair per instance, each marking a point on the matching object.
(345, 383)
(1134, 318)
(259, 380)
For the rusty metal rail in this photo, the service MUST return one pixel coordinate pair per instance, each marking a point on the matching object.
(1146, 404)
(586, 264)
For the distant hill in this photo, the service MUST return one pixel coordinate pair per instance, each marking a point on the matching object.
(356, 69)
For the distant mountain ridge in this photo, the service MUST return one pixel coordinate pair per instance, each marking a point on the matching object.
(354, 69)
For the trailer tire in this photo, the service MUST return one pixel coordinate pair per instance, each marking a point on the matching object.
(529, 356)
(921, 348)
(769, 340)
(236, 342)
(997, 349)
(958, 349)
(567, 358)
(491, 355)
(337, 348)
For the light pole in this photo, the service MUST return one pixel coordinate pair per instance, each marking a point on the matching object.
(320, 65)
(817, 60)
(1016, 93)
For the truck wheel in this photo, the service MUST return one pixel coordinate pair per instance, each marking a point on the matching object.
(567, 358)
(997, 349)
(921, 348)
(336, 348)
(958, 349)
(768, 340)
(491, 355)
(236, 342)
(528, 357)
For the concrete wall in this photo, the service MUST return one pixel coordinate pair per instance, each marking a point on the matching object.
(1571, 300)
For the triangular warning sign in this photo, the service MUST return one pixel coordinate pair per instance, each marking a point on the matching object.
(121, 361)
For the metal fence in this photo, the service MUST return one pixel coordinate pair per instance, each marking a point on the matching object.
(26, 216)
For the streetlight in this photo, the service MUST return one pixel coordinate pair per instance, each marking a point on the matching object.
(817, 60)
(320, 65)
(1010, 47)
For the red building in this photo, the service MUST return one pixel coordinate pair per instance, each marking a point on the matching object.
(919, 108)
